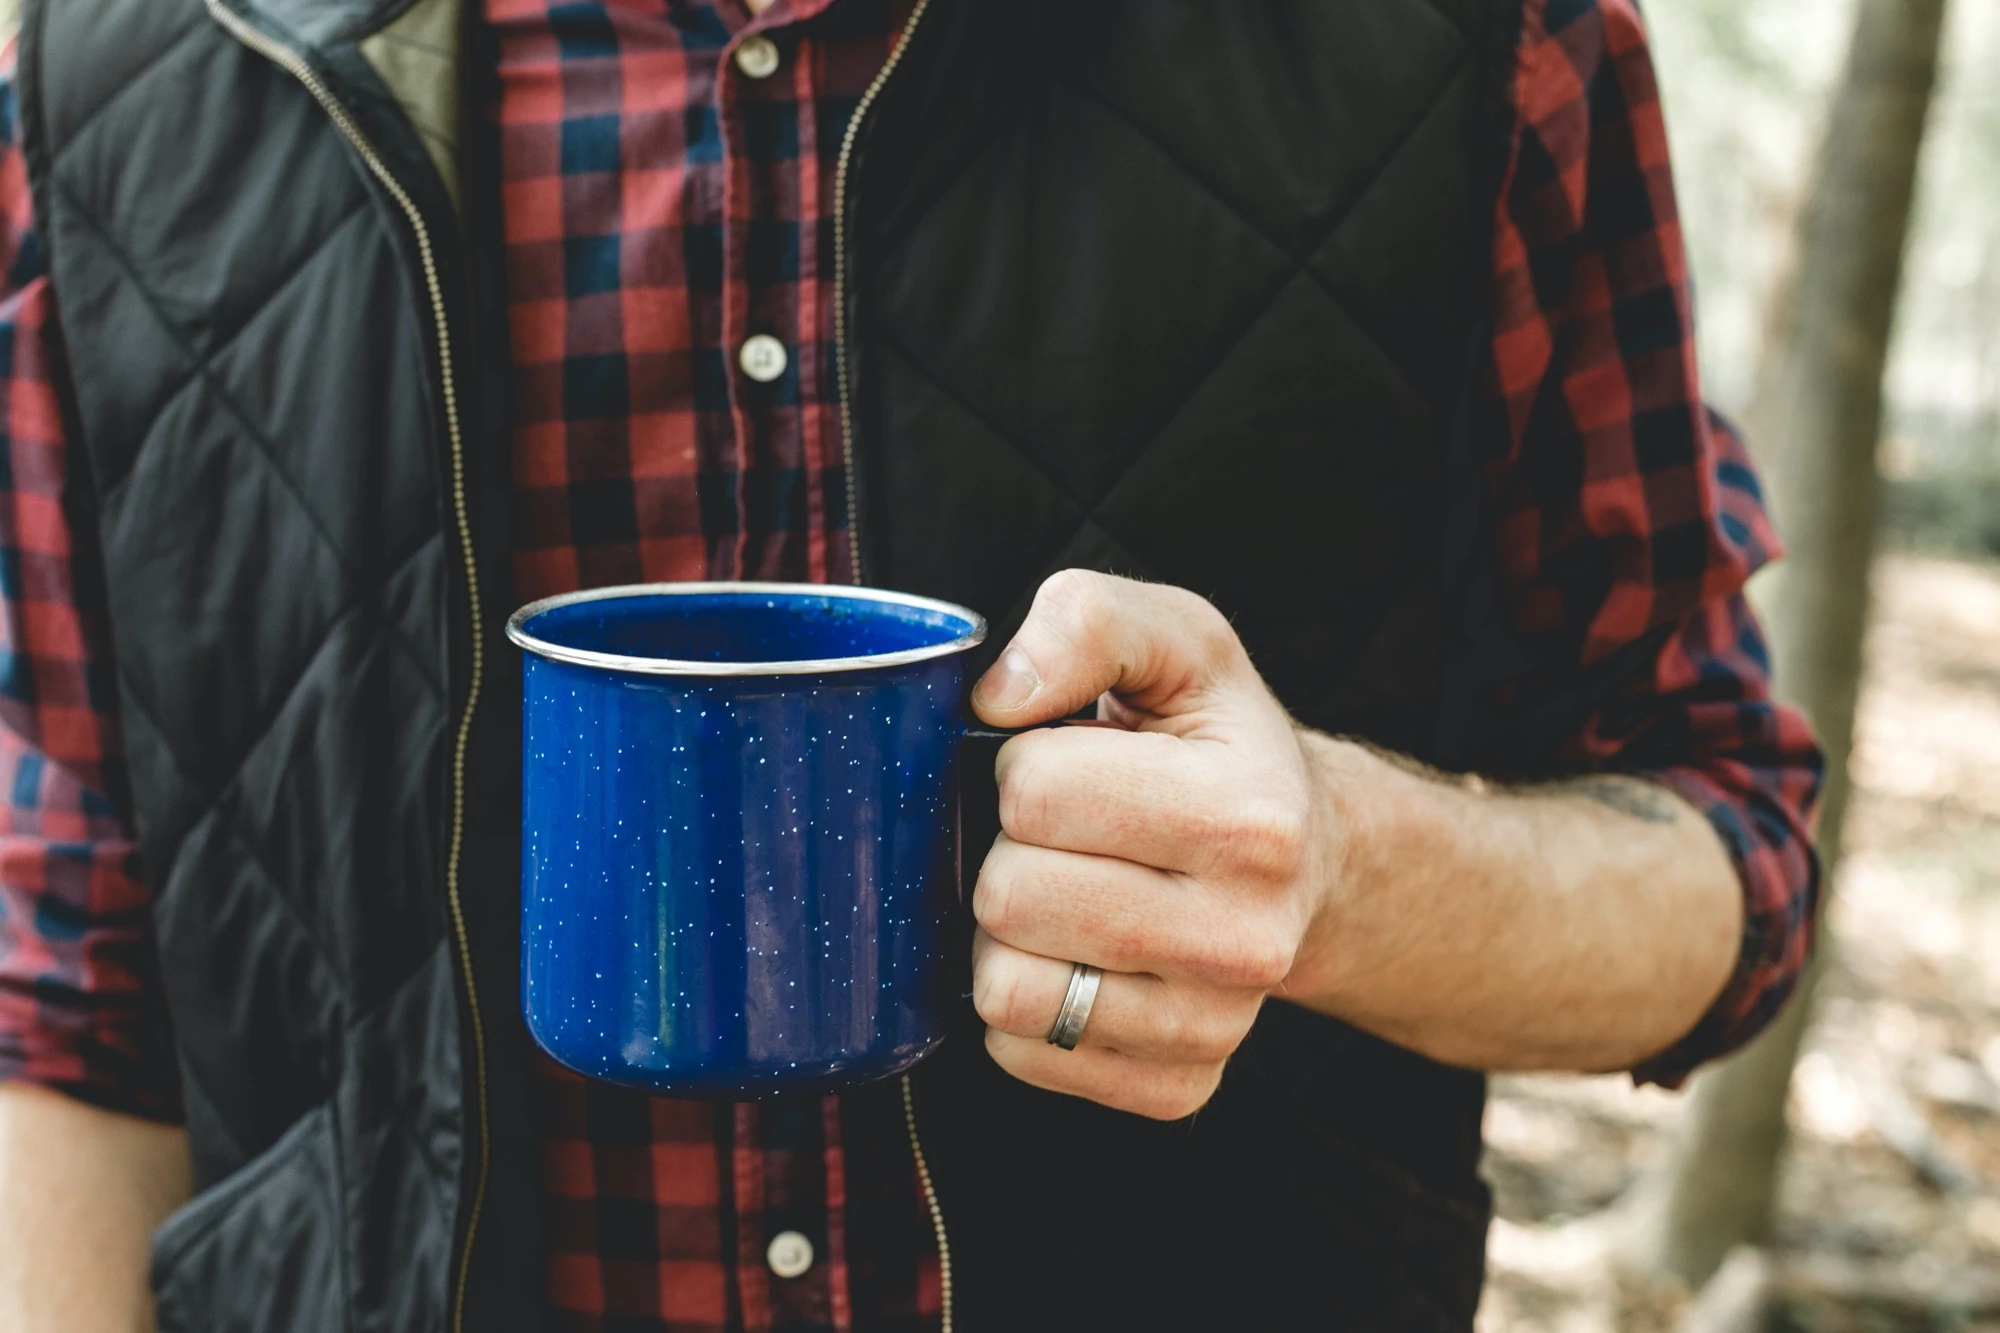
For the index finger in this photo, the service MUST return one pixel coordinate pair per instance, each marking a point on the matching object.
(1157, 647)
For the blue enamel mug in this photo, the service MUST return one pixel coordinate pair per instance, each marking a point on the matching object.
(739, 831)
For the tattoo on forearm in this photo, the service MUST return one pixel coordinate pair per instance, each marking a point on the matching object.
(1628, 796)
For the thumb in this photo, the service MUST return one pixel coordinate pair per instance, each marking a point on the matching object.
(1159, 649)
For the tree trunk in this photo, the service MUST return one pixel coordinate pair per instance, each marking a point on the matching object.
(1815, 424)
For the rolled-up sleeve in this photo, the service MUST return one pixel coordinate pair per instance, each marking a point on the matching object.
(1752, 768)
(80, 1003)
(1627, 515)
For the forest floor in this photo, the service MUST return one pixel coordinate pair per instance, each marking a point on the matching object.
(1890, 1209)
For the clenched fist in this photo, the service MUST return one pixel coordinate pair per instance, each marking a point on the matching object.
(1183, 849)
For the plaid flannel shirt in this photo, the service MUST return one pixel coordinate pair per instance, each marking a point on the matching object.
(666, 195)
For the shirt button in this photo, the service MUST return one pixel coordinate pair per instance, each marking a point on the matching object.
(757, 57)
(763, 358)
(789, 1254)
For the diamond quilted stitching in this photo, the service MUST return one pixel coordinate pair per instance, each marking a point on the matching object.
(151, 35)
(1348, 443)
(1056, 362)
(1380, 261)
(1013, 423)
(1292, 187)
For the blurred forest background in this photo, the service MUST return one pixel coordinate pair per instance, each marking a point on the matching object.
(1746, 84)
(1887, 1217)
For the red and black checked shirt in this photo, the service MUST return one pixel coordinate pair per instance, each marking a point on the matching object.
(663, 201)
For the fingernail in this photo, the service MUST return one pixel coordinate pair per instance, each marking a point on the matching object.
(1010, 683)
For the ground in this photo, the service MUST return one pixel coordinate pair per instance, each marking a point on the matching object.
(1890, 1210)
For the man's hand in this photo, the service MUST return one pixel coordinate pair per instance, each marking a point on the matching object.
(1205, 852)
(1185, 854)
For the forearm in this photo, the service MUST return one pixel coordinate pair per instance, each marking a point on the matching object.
(81, 1190)
(1577, 926)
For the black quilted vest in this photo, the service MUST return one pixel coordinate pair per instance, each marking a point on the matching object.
(1186, 290)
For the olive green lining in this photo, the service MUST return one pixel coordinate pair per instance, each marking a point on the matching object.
(418, 56)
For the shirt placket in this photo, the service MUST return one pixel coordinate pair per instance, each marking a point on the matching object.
(735, 283)
(789, 1241)
(760, 316)
(789, 1186)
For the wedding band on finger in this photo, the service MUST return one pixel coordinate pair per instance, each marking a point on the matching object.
(1076, 1006)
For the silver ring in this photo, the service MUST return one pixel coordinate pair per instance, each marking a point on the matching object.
(1076, 1006)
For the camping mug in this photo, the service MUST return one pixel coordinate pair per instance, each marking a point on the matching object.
(738, 831)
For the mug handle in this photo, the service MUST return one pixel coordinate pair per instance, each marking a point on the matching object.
(1002, 737)
(977, 825)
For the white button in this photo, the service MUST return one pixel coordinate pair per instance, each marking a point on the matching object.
(757, 57)
(763, 358)
(789, 1254)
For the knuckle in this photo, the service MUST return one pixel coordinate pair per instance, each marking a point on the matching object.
(1206, 633)
(1074, 597)
(1211, 629)
(1255, 960)
(996, 897)
(997, 993)
(1197, 1031)
(1249, 955)
(1025, 805)
(1174, 1028)
(1189, 950)
(1135, 942)
(1267, 834)
(1270, 963)
(1071, 604)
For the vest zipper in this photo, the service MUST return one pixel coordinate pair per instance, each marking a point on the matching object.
(295, 65)
(840, 174)
(930, 1198)
(847, 142)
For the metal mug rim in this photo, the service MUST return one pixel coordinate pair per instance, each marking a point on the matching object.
(518, 633)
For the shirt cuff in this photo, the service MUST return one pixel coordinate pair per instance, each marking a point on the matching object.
(1780, 874)
(81, 1010)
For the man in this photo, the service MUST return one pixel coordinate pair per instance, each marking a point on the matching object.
(339, 328)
